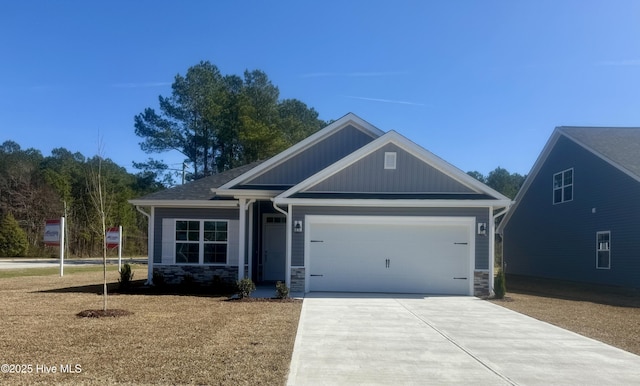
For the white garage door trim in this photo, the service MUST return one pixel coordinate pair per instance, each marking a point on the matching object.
(311, 220)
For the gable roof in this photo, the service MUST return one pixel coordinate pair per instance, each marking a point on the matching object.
(475, 187)
(618, 146)
(348, 120)
(198, 190)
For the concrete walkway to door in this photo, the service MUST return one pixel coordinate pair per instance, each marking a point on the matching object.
(380, 339)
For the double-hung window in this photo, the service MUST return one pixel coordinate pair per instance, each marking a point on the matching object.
(603, 250)
(201, 241)
(563, 186)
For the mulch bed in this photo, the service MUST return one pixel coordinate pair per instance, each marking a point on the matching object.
(109, 313)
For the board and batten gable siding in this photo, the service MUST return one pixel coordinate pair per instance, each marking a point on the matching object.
(559, 241)
(411, 175)
(315, 158)
(164, 238)
(481, 215)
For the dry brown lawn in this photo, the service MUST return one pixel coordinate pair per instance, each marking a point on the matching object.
(607, 314)
(169, 339)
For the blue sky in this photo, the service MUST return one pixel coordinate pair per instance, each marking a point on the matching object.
(481, 84)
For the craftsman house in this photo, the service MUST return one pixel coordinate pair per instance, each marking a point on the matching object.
(350, 208)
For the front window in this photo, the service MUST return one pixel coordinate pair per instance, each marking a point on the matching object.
(563, 186)
(201, 242)
(603, 250)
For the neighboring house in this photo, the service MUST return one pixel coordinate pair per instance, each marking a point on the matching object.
(577, 216)
(349, 208)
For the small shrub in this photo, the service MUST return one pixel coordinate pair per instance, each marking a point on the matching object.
(158, 279)
(500, 285)
(282, 291)
(126, 277)
(245, 287)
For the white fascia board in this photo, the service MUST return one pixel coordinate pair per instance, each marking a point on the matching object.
(533, 173)
(407, 145)
(246, 193)
(415, 203)
(186, 203)
(304, 144)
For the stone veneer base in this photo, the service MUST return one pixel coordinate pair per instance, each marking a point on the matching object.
(201, 274)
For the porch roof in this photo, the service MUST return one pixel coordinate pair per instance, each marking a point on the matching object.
(198, 190)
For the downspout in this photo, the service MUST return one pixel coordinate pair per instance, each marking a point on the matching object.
(287, 278)
(495, 216)
(150, 251)
(492, 246)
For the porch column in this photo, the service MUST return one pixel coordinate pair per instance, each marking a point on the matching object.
(250, 243)
(150, 250)
(242, 237)
(287, 277)
(492, 248)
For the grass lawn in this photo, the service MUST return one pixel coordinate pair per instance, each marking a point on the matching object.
(169, 339)
(608, 314)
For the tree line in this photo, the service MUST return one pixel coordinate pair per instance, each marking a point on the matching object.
(34, 188)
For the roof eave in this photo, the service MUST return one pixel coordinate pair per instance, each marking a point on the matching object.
(186, 203)
(402, 203)
(246, 193)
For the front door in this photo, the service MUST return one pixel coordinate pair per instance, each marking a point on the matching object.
(274, 247)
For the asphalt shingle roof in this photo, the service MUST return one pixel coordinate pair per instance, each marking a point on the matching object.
(620, 145)
(200, 189)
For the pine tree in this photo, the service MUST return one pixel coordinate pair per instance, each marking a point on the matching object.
(13, 239)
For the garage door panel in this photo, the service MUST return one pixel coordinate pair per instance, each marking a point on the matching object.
(409, 258)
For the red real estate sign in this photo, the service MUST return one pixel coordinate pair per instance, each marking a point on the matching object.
(113, 237)
(52, 232)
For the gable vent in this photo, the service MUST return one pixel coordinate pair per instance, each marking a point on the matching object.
(390, 160)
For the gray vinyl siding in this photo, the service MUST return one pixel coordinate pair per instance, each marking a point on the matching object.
(368, 175)
(311, 160)
(481, 215)
(186, 213)
(559, 241)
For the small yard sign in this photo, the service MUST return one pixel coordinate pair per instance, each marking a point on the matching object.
(52, 232)
(54, 235)
(113, 239)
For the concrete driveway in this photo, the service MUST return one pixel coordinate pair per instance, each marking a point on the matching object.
(346, 339)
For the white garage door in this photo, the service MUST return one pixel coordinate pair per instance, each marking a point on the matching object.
(390, 254)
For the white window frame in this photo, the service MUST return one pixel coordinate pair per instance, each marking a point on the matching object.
(390, 160)
(603, 247)
(562, 187)
(201, 241)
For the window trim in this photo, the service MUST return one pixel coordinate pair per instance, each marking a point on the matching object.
(562, 187)
(598, 249)
(201, 241)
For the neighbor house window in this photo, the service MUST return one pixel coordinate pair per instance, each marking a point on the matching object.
(603, 250)
(201, 242)
(563, 186)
